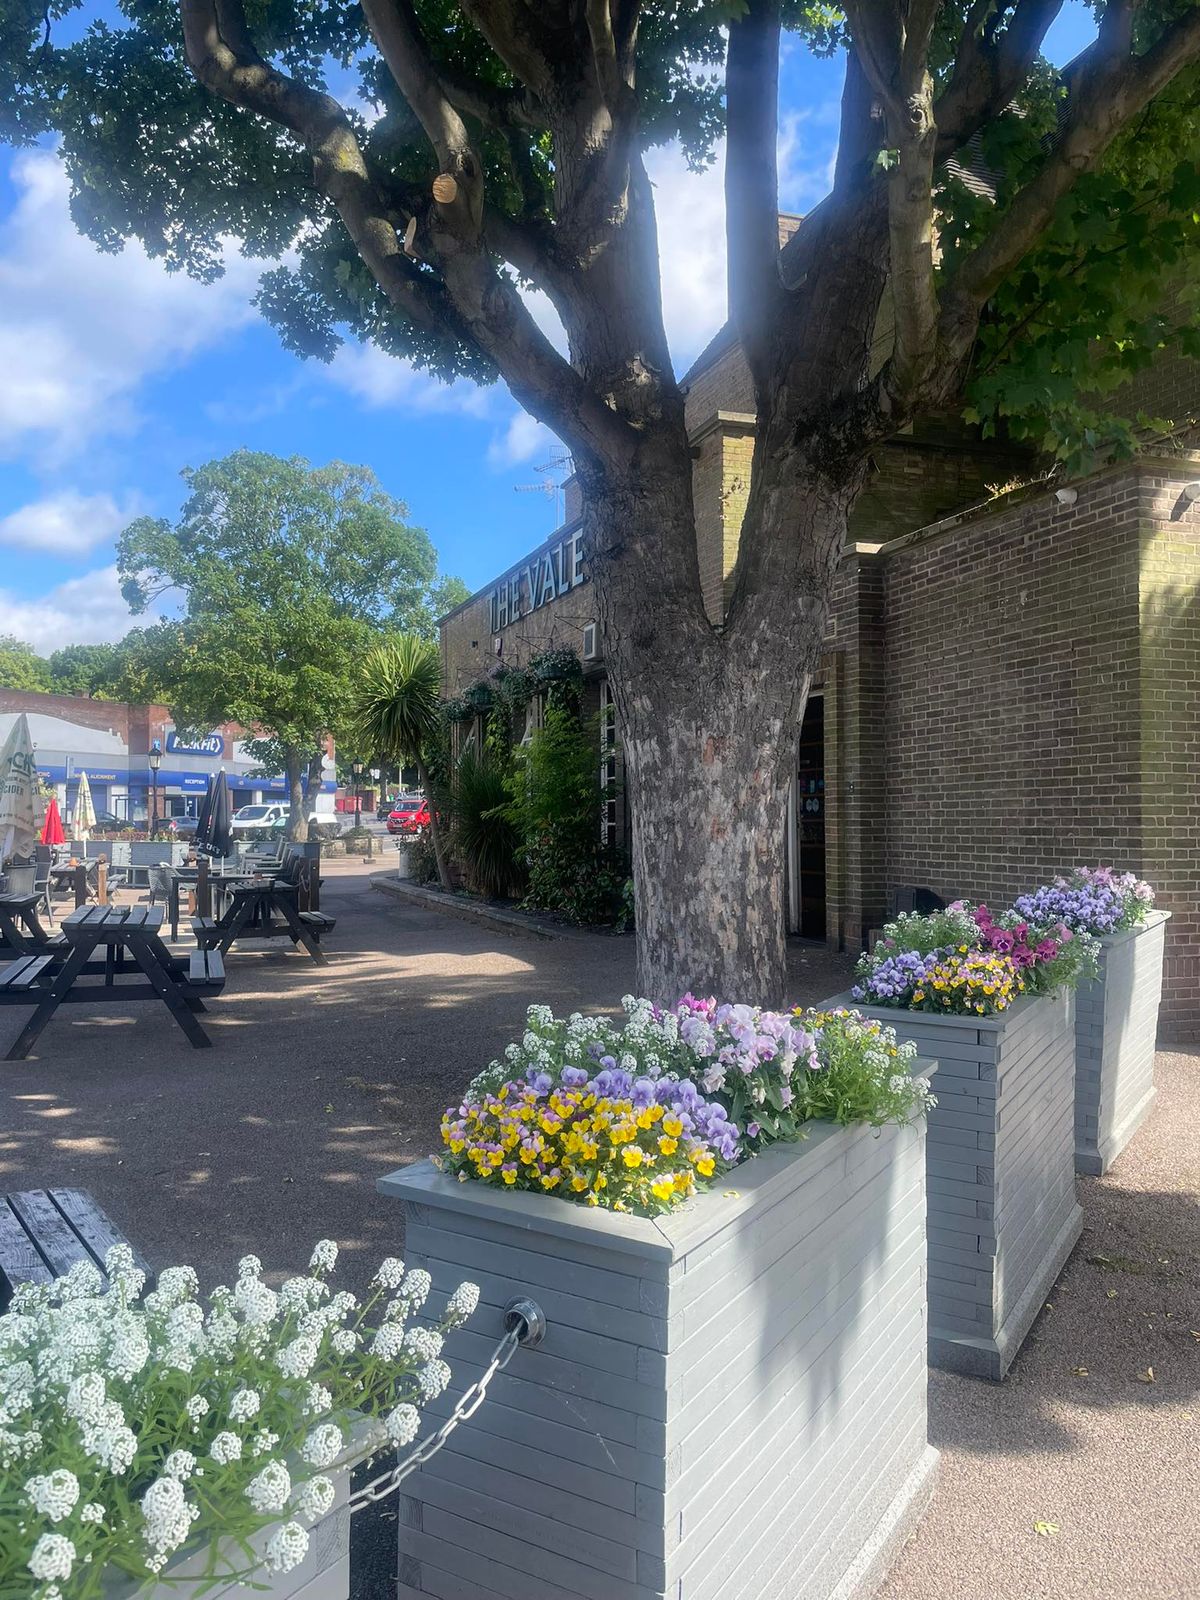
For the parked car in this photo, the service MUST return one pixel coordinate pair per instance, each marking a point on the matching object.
(408, 816)
(274, 815)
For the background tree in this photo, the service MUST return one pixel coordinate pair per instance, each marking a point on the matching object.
(85, 669)
(509, 151)
(286, 574)
(21, 667)
(397, 711)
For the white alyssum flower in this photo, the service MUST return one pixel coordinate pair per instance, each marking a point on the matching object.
(53, 1494)
(287, 1547)
(269, 1489)
(388, 1342)
(317, 1401)
(343, 1341)
(433, 1379)
(263, 1441)
(127, 1279)
(226, 1447)
(257, 1304)
(461, 1304)
(179, 1464)
(249, 1267)
(323, 1445)
(168, 1519)
(196, 1408)
(82, 1282)
(298, 1293)
(244, 1404)
(324, 1256)
(423, 1344)
(314, 1499)
(109, 1440)
(53, 1557)
(390, 1273)
(402, 1424)
(416, 1286)
(297, 1359)
(92, 1512)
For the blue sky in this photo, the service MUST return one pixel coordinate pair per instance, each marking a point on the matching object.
(117, 375)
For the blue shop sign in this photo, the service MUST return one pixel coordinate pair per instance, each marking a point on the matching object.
(213, 745)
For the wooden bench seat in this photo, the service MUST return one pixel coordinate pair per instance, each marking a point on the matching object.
(205, 931)
(44, 1232)
(317, 922)
(206, 970)
(21, 976)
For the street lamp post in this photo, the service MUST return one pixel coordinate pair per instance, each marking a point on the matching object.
(356, 767)
(155, 761)
(375, 786)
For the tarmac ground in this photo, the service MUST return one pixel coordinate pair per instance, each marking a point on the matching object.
(1073, 1480)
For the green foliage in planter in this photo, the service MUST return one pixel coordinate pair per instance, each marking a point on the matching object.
(555, 797)
(422, 863)
(486, 841)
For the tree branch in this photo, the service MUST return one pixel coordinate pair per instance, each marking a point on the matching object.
(518, 35)
(752, 182)
(471, 302)
(895, 58)
(990, 65)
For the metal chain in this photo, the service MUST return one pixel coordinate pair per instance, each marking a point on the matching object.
(379, 1488)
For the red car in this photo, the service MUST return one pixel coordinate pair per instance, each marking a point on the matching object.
(408, 816)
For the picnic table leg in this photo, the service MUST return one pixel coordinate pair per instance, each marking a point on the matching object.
(13, 936)
(237, 923)
(173, 900)
(298, 930)
(162, 980)
(28, 1035)
(172, 965)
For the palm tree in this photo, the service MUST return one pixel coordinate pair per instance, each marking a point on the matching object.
(398, 713)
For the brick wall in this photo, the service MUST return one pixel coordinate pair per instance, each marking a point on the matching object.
(1038, 703)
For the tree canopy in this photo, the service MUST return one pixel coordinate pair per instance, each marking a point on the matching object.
(21, 667)
(286, 576)
(354, 109)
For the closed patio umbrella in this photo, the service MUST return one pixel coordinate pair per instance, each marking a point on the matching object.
(52, 828)
(214, 830)
(19, 804)
(203, 834)
(84, 819)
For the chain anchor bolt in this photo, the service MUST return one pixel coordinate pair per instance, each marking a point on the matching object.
(527, 1320)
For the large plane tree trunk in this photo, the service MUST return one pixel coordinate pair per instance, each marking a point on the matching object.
(709, 723)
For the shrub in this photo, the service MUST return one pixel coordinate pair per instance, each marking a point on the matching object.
(486, 842)
(554, 800)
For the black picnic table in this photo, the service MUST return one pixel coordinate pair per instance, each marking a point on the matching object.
(251, 912)
(186, 878)
(21, 928)
(131, 941)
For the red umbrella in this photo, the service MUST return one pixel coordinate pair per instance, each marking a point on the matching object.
(52, 828)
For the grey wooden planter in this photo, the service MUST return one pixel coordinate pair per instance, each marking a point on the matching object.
(324, 1574)
(729, 1401)
(1116, 1023)
(1003, 1215)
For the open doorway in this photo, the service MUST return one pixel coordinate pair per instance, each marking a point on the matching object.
(806, 837)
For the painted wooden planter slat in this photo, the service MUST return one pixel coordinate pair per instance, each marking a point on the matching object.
(1003, 1214)
(324, 1574)
(1116, 1025)
(730, 1401)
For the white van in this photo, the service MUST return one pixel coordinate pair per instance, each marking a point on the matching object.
(273, 814)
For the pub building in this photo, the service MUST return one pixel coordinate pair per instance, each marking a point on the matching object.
(1011, 679)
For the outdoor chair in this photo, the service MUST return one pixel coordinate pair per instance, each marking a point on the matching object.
(161, 878)
(21, 879)
(43, 860)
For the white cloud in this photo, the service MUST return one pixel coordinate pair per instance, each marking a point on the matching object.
(80, 331)
(522, 440)
(65, 524)
(379, 380)
(84, 610)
